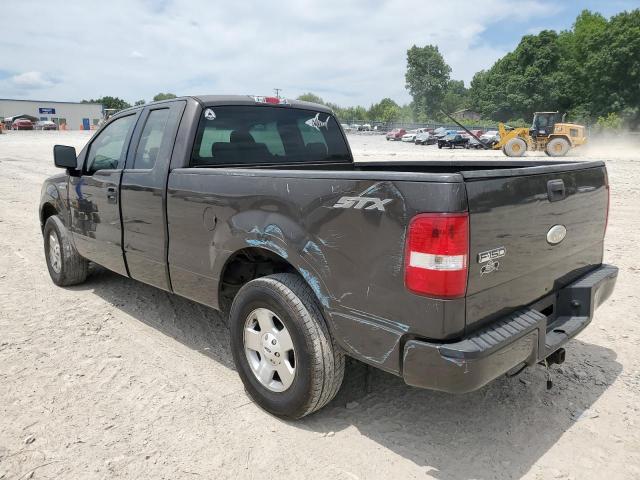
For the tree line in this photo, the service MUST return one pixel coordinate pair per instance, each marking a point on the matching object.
(591, 72)
(120, 104)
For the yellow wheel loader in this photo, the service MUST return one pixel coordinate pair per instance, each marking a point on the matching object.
(548, 133)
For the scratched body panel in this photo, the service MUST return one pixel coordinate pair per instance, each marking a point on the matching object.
(351, 257)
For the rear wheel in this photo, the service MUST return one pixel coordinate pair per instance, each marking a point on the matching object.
(66, 266)
(516, 147)
(282, 348)
(557, 147)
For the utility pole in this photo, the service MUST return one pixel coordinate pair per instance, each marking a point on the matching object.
(277, 90)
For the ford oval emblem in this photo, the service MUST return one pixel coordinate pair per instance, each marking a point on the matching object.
(556, 234)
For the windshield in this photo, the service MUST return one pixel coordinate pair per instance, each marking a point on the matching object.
(240, 135)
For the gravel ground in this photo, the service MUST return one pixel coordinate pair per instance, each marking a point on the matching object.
(115, 379)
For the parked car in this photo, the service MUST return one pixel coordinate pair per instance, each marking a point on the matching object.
(474, 143)
(431, 271)
(441, 132)
(425, 138)
(453, 140)
(366, 127)
(22, 124)
(490, 138)
(46, 125)
(396, 134)
(410, 136)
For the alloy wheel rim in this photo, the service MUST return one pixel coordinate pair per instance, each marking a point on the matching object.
(55, 256)
(269, 350)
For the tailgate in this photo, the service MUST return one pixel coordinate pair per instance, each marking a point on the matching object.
(512, 263)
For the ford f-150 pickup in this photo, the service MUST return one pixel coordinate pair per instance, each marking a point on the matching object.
(446, 273)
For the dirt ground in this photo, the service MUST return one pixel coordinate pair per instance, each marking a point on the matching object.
(116, 379)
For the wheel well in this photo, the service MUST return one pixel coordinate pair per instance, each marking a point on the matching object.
(46, 211)
(246, 265)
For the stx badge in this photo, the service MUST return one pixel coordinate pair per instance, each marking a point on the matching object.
(368, 203)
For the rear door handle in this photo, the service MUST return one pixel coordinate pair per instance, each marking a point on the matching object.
(112, 196)
(556, 190)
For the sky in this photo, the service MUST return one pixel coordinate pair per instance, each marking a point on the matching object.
(348, 52)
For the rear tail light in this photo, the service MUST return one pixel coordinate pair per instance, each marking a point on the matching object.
(437, 254)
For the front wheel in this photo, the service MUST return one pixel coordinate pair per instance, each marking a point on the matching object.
(66, 266)
(516, 147)
(282, 348)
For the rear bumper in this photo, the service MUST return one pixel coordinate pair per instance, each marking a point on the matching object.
(524, 337)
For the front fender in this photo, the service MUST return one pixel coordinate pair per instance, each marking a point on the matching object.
(54, 196)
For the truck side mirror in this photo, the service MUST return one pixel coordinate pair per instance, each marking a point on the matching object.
(65, 157)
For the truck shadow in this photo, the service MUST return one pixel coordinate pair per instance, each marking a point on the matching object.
(194, 325)
(499, 431)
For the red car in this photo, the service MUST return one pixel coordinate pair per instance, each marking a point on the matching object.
(396, 134)
(22, 124)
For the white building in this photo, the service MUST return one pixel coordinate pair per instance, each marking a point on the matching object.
(73, 115)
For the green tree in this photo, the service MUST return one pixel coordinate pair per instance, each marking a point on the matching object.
(589, 71)
(427, 79)
(611, 123)
(455, 97)
(311, 97)
(164, 96)
(521, 82)
(139, 102)
(385, 111)
(110, 102)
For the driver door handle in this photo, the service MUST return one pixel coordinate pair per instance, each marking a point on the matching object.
(112, 194)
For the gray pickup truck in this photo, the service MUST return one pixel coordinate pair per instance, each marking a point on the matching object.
(447, 274)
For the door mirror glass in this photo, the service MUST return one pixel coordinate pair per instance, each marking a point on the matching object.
(65, 156)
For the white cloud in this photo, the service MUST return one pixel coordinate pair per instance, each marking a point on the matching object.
(347, 52)
(31, 80)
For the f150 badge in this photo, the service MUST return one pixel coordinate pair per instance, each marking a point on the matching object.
(491, 256)
(368, 203)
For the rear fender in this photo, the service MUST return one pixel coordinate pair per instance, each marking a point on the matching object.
(281, 235)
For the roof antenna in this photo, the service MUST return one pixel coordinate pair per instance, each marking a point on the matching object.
(277, 90)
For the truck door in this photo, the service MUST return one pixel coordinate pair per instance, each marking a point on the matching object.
(94, 197)
(143, 193)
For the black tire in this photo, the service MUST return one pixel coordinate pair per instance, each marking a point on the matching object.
(557, 147)
(72, 268)
(516, 147)
(319, 362)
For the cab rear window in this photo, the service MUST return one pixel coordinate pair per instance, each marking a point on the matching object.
(261, 135)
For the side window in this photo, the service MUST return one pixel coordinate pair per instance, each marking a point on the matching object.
(108, 149)
(151, 139)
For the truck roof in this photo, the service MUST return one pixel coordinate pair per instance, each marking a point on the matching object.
(250, 100)
(212, 100)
